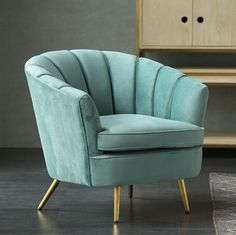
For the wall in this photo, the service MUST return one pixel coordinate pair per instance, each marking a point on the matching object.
(30, 27)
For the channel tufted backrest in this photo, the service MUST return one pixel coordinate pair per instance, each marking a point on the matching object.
(156, 85)
(123, 83)
(109, 77)
(165, 92)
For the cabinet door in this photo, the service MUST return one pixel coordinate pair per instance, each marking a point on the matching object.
(214, 23)
(166, 22)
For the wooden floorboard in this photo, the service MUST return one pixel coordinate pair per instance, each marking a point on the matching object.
(75, 209)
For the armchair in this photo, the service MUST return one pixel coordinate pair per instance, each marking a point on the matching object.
(112, 119)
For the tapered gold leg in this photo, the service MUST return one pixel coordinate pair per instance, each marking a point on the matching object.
(116, 203)
(130, 191)
(184, 195)
(48, 194)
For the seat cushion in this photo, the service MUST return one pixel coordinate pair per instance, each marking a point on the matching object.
(122, 132)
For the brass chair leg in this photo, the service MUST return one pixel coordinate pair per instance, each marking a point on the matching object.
(116, 203)
(48, 194)
(131, 191)
(184, 196)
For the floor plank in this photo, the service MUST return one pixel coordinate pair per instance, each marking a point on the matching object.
(75, 209)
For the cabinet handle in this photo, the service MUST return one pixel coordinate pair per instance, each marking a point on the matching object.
(200, 19)
(184, 19)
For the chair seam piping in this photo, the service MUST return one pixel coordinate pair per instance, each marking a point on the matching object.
(172, 95)
(154, 87)
(149, 133)
(111, 84)
(83, 72)
(135, 83)
(58, 69)
(86, 141)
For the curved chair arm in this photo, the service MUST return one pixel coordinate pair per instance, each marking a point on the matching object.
(189, 101)
(68, 123)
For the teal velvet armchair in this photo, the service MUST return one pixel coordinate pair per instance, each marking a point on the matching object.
(113, 119)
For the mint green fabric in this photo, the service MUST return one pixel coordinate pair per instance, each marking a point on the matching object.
(167, 93)
(147, 73)
(41, 65)
(124, 132)
(96, 74)
(85, 99)
(122, 69)
(70, 71)
(166, 82)
(189, 102)
(138, 167)
(68, 123)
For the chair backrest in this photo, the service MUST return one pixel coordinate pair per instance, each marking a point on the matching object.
(122, 83)
(108, 77)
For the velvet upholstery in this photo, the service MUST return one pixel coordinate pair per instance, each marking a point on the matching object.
(79, 96)
(142, 132)
(136, 167)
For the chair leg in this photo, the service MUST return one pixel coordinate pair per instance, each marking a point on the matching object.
(131, 191)
(48, 194)
(184, 196)
(116, 203)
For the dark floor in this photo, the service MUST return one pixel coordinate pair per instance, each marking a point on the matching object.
(74, 209)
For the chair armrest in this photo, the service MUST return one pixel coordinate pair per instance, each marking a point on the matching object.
(189, 101)
(68, 123)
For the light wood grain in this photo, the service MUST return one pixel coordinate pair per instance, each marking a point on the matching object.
(138, 3)
(161, 22)
(210, 71)
(220, 140)
(189, 48)
(212, 76)
(218, 28)
(160, 31)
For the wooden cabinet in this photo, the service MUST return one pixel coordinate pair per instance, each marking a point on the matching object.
(166, 23)
(218, 26)
(192, 25)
